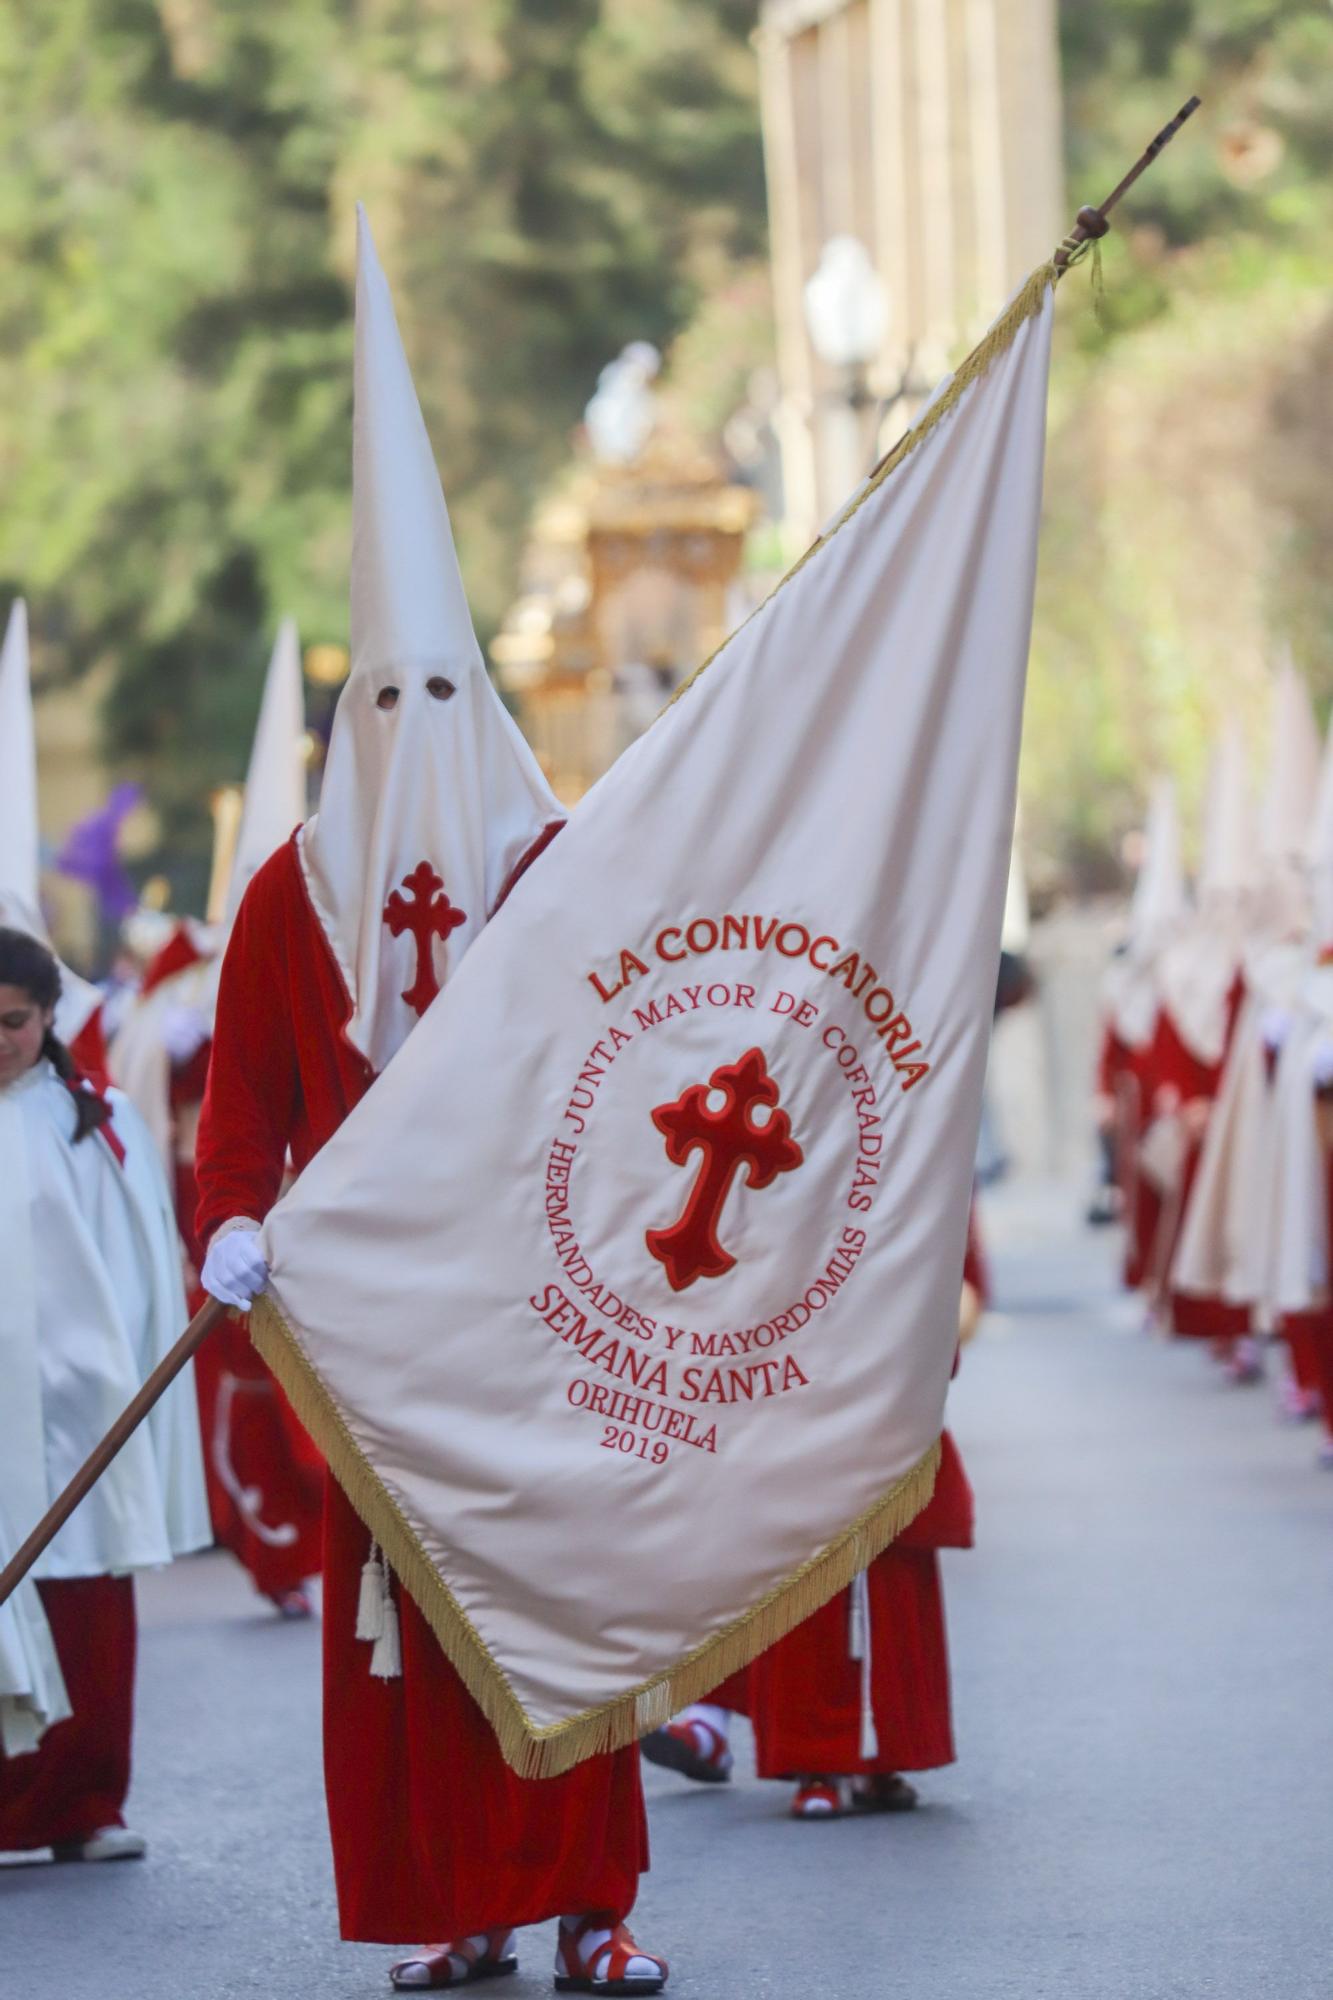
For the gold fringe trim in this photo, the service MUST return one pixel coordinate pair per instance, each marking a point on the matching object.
(544, 1752)
(997, 341)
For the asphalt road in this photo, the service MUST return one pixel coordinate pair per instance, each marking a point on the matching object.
(1142, 1646)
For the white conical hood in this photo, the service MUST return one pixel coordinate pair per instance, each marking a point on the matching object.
(1158, 911)
(1159, 904)
(1319, 851)
(20, 903)
(275, 778)
(1198, 971)
(1228, 864)
(1016, 929)
(434, 801)
(18, 767)
(1293, 776)
(273, 806)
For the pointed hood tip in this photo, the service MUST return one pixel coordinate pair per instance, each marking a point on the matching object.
(1293, 783)
(366, 250)
(19, 847)
(456, 790)
(408, 603)
(1159, 902)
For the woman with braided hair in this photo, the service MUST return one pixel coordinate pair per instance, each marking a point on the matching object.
(91, 1299)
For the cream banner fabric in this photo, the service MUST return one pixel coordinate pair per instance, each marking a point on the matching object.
(625, 1305)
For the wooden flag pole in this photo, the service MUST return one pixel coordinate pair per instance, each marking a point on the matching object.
(1092, 223)
(84, 1480)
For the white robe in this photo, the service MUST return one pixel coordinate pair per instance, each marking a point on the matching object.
(91, 1299)
(32, 1687)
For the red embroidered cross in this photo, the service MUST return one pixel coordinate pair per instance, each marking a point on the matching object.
(427, 915)
(728, 1140)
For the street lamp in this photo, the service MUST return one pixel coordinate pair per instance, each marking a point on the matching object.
(847, 311)
(849, 314)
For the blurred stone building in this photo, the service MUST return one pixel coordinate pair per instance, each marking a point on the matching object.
(913, 157)
(926, 133)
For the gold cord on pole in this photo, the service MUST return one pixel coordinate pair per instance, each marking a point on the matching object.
(1092, 223)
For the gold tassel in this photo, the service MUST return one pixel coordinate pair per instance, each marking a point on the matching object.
(370, 1599)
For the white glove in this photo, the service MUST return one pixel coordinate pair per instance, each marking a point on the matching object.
(234, 1269)
(184, 1031)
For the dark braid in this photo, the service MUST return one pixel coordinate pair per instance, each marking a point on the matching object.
(91, 1112)
(26, 963)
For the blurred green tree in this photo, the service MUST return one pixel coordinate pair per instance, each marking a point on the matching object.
(1187, 536)
(177, 187)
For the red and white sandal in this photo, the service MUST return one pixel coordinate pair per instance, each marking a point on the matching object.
(294, 1604)
(693, 1747)
(488, 1955)
(818, 1798)
(597, 1956)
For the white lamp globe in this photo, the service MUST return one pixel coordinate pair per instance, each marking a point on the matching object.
(847, 305)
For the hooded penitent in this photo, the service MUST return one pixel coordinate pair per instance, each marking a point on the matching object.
(1199, 969)
(1296, 1246)
(18, 793)
(1156, 914)
(174, 1015)
(1319, 852)
(1293, 777)
(1255, 1171)
(1288, 808)
(275, 780)
(431, 798)
(700, 1106)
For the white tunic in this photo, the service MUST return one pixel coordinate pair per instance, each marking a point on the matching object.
(91, 1298)
(32, 1687)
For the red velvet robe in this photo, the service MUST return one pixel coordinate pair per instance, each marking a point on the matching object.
(805, 1694)
(74, 1783)
(1310, 1334)
(433, 1835)
(1174, 1067)
(265, 1478)
(178, 954)
(89, 1051)
(1123, 1076)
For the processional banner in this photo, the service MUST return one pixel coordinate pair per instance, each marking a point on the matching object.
(625, 1304)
